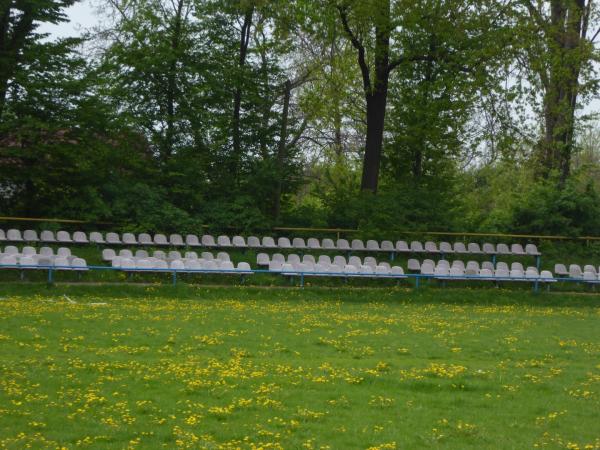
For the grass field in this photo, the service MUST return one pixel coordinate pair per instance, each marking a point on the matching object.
(192, 367)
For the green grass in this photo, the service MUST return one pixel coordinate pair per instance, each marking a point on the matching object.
(189, 366)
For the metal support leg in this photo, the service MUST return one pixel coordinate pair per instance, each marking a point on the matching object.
(174, 277)
(50, 276)
(538, 262)
(536, 286)
(392, 256)
(494, 260)
(302, 280)
(417, 283)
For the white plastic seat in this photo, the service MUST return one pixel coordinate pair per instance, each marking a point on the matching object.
(321, 269)
(10, 250)
(370, 261)
(373, 246)
(489, 249)
(177, 264)
(441, 271)
(413, 265)
(397, 271)
(335, 270)
(385, 264)
(129, 239)
(238, 242)
(349, 269)
(2, 235)
(210, 266)
(275, 266)
(174, 255)
(474, 249)
(31, 236)
(547, 277)
(159, 254)
(78, 264)
(502, 273)
(278, 257)
(460, 247)
(125, 253)
(586, 268)
(79, 237)
(63, 237)
(284, 243)
(223, 241)
(191, 255)
(487, 265)
(145, 239)
(402, 247)
(501, 265)
(287, 269)
(561, 269)
(516, 273)
(208, 256)
(532, 250)
(28, 261)
(176, 240)
(358, 245)
(486, 274)
(298, 243)
(517, 266)
(161, 239)
(141, 254)
(443, 263)
(112, 238)
(324, 259)
(457, 263)
(457, 272)
(339, 260)
(431, 247)
(387, 246)
(126, 264)
(531, 272)
(268, 242)
(96, 238)
(343, 244)
(223, 256)
(517, 249)
(208, 241)
(244, 268)
(502, 249)
(254, 242)
(366, 270)
(262, 259)
(328, 244)
(473, 266)
(306, 259)
(382, 270)
(192, 264)
(46, 236)
(63, 252)
(13, 235)
(191, 240)
(46, 251)
(159, 264)
(293, 259)
(446, 248)
(427, 269)
(28, 251)
(144, 265)
(354, 261)
(61, 263)
(416, 247)
(575, 271)
(313, 244)
(8, 260)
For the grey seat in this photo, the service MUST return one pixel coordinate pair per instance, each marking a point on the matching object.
(413, 265)
(343, 244)
(308, 259)
(176, 240)
(293, 259)
(284, 243)
(96, 238)
(354, 261)
(208, 241)
(532, 250)
(416, 247)
(460, 247)
(238, 242)
(446, 248)
(358, 245)
(78, 264)
(268, 242)
(402, 246)
(431, 247)
(487, 265)
(191, 240)
(141, 254)
(575, 271)
(370, 261)
(298, 243)
(2, 235)
(47, 236)
(328, 244)
(113, 238)
(517, 249)
(502, 249)
(262, 259)
(313, 244)
(489, 249)
(517, 266)
(474, 249)
(373, 246)
(224, 241)
(561, 269)
(79, 237)
(339, 260)
(324, 259)
(145, 239)
(129, 239)
(63, 237)
(30, 236)
(14, 235)
(387, 246)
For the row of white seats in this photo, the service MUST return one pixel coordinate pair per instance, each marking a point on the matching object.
(37, 262)
(268, 242)
(589, 273)
(189, 265)
(415, 266)
(456, 271)
(264, 259)
(32, 251)
(109, 254)
(324, 269)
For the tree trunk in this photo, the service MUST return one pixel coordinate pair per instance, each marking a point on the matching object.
(282, 149)
(237, 96)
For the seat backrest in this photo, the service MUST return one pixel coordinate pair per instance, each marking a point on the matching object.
(382, 270)
(502, 248)
(129, 238)
(431, 247)
(174, 254)
(517, 249)
(324, 259)
(370, 261)
(207, 256)
(145, 238)
(32, 236)
(14, 235)
(402, 246)
(223, 241)
(445, 247)
(253, 242)
(48, 236)
(111, 238)
(159, 254)
(397, 270)
(458, 264)
(244, 266)
(328, 243)
(192, 239)
(191, 255)
(28, 251)
(262, 259)
(78, 263)
(427, 268)
(238, 241)
(560, 269)
(298, 243)
(176, 239)
(574, 270)
(63, 236)
(313, 243)
(96, 236)
(502, 265)
(284, 242)
(531, 249)
(388, 246)
(293, 259)
(306, 259)
(546, 274)
(473, 265)
(342, 244)
(357, 244)
(416, 246)
(443, 263)
(350, 269)
(108, 254)
(487, 265)
(79, 236)
(63, 252)
(473, 247)
(339, 260)
(489, 248)
(268, 241)
(141, 254)
(125, 253)
(177, 264)
(413, 264)
(516, 266)
(459, 247)
(208, 240)
(486, 273)
(586, 268)
(355, 261)
(278, 257)
(373, 245)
